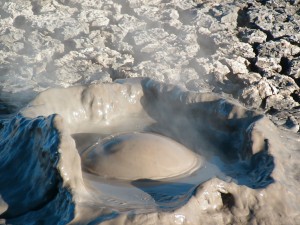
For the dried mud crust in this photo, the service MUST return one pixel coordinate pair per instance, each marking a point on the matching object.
(250, 51)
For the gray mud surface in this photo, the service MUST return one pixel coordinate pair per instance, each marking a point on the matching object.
(245, 50)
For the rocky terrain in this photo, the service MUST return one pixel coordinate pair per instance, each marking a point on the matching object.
(247, 50)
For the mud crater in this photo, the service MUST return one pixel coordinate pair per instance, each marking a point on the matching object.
(139, 137)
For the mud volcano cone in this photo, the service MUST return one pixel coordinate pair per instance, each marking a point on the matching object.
(134, 148)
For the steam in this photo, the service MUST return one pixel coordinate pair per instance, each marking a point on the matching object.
(65, 43)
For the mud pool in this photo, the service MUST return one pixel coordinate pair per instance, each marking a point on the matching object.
(119, 152)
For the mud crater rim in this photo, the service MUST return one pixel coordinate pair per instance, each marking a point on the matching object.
(206, 124)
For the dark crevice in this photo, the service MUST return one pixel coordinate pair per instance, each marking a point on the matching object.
(285, 65)
(252, 67)
(295, 110)
(263, 2)
(255, 48)
(297, 80)
(296, 96)
(286, 37)
(263, 103)
(279, 10)
(270, 36)
(297, 55)
(271, 77)
(213, 14)
(271, 111)
(114, 74)
(262, 161)
(243, 18)
(200, 6)
(288, 19)
(227, 200)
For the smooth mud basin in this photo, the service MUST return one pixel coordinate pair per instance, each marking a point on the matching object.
(62, 130)
(147, 195)
(134, 156)
(141, 171)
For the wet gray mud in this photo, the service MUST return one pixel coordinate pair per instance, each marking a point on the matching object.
(190, 143)
(96, 153)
